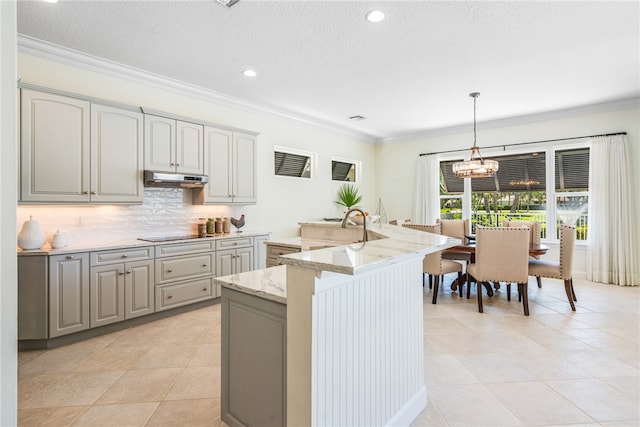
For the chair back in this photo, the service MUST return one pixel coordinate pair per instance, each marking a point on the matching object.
(435, 228)
(502, 254)
(533, 226)
(457, 228)
(567, 243)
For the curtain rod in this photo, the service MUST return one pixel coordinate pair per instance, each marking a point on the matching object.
(530, 142)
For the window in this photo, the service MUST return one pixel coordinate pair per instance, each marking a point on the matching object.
(524, 188)
(293, 163)
(345, 170)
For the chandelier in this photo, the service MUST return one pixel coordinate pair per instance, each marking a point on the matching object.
(476, 166)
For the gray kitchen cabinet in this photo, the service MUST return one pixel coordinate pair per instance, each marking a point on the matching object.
(121, 290)
(33, 297)
(73, 151)
(173, 146)
(230, 163)
(184, 274)
(234, 255)
(68, 293)
(54, 148)
(274, 251)
(260, 251)
(254, 373)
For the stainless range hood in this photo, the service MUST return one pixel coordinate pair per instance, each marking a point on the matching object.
(174, 180)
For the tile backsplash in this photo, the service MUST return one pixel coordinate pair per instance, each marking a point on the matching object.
(164, 212)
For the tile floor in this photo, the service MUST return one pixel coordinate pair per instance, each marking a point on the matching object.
(493, 369)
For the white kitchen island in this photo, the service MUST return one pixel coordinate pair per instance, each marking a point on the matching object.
(354, 325)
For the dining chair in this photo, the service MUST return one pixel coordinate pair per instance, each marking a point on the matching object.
(535, 238)
(459, 229)
(502, 255)
(395, 221)
(433, 264)
(562, 269)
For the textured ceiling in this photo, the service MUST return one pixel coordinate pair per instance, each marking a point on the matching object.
(321, 61)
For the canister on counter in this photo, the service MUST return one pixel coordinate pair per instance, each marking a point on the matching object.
(218, 225)
(210, 226)
(202, 227)
(226, 225)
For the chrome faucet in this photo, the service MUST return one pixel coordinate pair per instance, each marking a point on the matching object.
(364, 217)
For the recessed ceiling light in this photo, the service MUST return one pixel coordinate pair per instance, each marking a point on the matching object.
(375, 16)
(249, 73)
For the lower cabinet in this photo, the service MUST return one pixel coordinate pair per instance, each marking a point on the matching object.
(68, 293)
(175, 295)
(274, 251)
(254, 360)
(121, 289)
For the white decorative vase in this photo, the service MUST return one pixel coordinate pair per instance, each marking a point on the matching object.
(31, 235)
(59, 240)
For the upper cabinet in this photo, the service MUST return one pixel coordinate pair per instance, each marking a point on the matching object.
(73, 151)
(172, 145)
(230, 163)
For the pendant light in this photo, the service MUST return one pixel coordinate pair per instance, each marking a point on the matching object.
(476, 166)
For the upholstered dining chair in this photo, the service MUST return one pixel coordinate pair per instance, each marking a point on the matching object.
(560, 270)
(433, 264)
(535, 238)
(459, 229)
(502, 255)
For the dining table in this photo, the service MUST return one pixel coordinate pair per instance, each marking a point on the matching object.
(535, 250)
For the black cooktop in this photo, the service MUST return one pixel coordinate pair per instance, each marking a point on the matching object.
(168, 238)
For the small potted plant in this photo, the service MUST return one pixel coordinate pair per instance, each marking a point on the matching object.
(348, 196)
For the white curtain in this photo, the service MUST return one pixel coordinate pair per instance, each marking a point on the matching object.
(427, 201)
(612, 252)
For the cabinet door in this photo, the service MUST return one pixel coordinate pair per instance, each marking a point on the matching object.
(159, 143)
(107, 294)
(139, 289)
(244, 168)
(189, 146)
(68, 293)
(225, 262)
(217, 165)
(54, 148)
(116, 155)
(244, 260)
(260, 252)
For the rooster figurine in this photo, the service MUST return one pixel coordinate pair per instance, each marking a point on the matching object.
(238, 223)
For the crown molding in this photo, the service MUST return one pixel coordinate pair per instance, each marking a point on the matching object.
(601, 107)
(74, 58)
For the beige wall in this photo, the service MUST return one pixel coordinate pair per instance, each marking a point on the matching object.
(397, 161)
(282, 202)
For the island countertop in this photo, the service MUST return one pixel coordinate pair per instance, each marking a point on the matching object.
(392, 243)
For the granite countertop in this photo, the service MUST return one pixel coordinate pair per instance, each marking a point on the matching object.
(393, 244)
(123, 244)
(268, 283)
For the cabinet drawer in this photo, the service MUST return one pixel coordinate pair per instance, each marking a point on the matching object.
(184, 248)
(170, 269)
(121, 255)
(234, 243)
(175, 295)
(274, 251)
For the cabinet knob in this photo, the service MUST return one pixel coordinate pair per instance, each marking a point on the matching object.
(169, 271)
(93, 192)
(124, 255)
(121, 273)
(169, 296)
(172, 164)
(129, 272)
(204, 289)
(85, 192)
(69, 257)
(204, 265)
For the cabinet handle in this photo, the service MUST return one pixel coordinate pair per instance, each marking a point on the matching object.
(169, 296)
(85, 192)
(169, 271)
(69, 257)
(204, 289)
(129, 272)
(172, 164)
(93, 192)
(121, 273)
(125, 256)
(204, 265)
